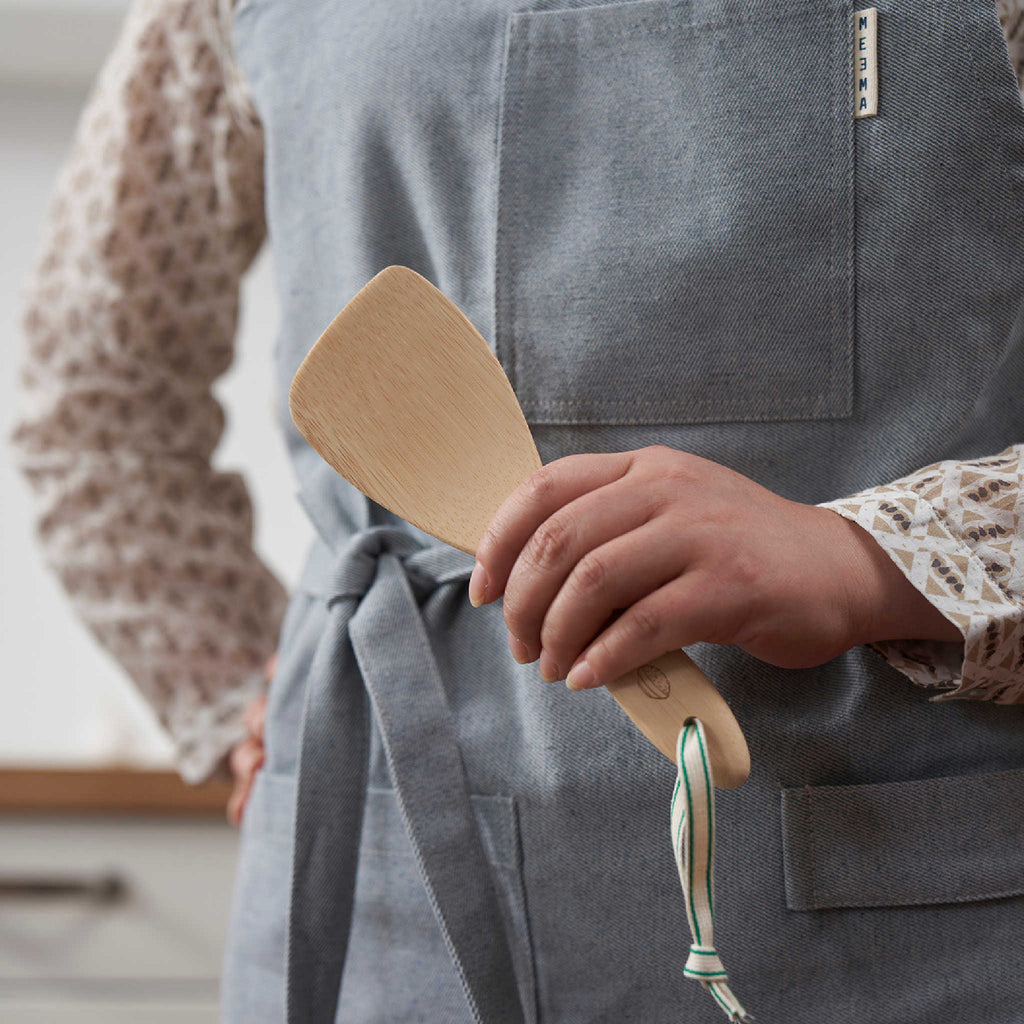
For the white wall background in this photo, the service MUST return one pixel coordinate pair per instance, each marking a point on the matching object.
(62, 698)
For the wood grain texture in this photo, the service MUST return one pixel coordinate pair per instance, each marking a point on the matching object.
(404, 398)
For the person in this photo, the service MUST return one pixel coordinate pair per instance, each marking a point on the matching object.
(770, 356)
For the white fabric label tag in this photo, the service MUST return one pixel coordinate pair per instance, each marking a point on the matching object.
(865, 62)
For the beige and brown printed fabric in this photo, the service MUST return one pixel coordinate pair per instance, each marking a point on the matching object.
(130, 316)
(955, 530)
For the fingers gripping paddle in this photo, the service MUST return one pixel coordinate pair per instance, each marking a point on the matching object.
(404, 398)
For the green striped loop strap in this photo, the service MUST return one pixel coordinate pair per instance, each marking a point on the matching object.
(693, 838)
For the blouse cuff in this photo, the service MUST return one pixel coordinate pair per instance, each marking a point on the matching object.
(969, 590)
(205, 739)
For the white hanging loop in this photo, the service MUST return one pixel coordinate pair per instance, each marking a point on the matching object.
(693, 839)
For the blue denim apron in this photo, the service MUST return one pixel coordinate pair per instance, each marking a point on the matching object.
(665, 219)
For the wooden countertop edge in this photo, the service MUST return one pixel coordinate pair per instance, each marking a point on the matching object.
(111, 791)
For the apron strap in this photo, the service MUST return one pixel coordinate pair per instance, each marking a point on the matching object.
(376, 643)
(331, 791)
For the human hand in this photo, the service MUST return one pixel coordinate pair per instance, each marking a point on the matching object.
(246, 757)
(608, 561)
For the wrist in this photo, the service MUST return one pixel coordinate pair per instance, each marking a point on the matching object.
(884, 604)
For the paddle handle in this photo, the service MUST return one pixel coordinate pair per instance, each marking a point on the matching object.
(663, 694)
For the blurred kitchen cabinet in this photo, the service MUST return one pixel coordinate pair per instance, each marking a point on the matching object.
(114, 897)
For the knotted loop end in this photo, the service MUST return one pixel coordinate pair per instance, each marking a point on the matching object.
(704, 963)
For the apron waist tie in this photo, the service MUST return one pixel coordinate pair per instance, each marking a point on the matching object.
(375, 648)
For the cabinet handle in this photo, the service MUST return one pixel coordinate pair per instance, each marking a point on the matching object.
(110, 887)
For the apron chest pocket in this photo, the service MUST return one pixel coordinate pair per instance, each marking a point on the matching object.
(946, 840)
(675, 217)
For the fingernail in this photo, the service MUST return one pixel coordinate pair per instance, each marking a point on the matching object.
(519, 650)
(548, 669)
(581, 677)
(477, 586)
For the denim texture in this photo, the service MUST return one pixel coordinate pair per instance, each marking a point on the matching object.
(667, 223)
(727, 245)
(848, 846)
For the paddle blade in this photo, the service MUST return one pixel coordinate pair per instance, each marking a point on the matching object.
(403, 397)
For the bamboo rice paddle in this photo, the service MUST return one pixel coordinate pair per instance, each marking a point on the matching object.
(403, 397)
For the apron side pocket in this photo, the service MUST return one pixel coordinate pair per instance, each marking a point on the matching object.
(396, 942)
(948, 840)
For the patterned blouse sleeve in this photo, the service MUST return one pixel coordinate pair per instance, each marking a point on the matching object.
(954, 530)
(129, 317)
